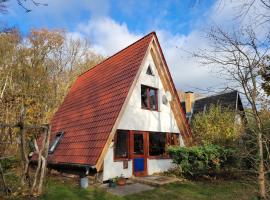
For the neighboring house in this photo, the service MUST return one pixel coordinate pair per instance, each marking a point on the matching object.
(120, 116)
(194, 104)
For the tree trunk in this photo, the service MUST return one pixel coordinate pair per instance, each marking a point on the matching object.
(261, 171)
(261, 177)
(37, 170)
(44, 158)
(24, 157)
(42, 162)
(42, 174)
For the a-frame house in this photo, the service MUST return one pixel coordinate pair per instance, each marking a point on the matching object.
(120, 116)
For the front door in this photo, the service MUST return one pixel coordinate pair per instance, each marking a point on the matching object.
(139, 147)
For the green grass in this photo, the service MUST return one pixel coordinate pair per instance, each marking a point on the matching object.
(65, 191)
(220, 190)
(200, 190)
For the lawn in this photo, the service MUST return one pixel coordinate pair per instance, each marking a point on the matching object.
(240, 190)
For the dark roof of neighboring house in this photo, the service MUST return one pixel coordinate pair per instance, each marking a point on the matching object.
(227, 99)
(91, 107)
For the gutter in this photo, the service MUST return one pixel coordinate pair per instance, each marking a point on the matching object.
(72, 168)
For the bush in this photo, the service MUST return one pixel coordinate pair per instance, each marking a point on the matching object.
(203, 160)
(9, 163)
(217, 126)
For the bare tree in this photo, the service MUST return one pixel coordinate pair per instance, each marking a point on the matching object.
(261, 10)
(21, 3)
(265, 73)
(239, 55)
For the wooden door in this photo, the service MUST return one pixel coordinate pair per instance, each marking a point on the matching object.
(139, 151)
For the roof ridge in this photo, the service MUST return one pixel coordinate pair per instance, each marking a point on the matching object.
(221, 93)
(153, 32)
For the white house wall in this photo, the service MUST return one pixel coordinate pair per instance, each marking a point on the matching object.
(159, 165)
(112, 169)
(136, 118)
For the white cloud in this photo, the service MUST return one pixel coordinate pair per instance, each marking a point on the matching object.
(187, 72)
(108, 36)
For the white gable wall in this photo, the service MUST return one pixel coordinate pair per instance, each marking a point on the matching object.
(136, 118)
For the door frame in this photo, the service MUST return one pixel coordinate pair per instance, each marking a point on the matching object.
(145, 155)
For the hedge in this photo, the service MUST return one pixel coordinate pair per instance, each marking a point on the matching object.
(203, 160)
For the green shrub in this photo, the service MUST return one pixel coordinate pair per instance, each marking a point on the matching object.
(9, 163)
(203, 160)
(217, 126)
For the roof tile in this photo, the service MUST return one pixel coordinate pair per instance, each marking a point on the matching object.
(92, 106)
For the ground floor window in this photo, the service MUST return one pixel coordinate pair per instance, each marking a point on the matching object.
(121, 144)
(157, 144)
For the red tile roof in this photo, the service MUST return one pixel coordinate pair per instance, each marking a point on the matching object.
(92, 106)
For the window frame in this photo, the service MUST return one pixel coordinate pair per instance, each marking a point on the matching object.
(115, 158)
(173, 138)
(148, 88)
(167, 144)
(165, 155)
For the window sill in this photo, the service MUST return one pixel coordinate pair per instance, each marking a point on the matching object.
(159, 157)
(120, 159)
(149, 109)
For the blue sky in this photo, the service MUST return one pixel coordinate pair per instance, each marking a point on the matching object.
(111, 25)
(176, 16)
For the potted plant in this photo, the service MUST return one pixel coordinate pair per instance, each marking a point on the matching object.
(112, 182)
(121, 181)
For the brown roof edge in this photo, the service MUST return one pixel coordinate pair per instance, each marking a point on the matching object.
(174, 89)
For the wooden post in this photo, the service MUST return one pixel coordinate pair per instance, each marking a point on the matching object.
(42, 161)
(47, 133)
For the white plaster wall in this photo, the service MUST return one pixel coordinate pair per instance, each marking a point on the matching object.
(157, 166)
(112, 169)
(136, 118)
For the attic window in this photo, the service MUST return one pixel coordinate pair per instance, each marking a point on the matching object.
(149, 71)
(55, 142)
(149, 98)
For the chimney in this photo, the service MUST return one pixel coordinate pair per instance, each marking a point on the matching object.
(189, 100)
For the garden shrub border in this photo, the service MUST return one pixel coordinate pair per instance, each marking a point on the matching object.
(204, 160)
